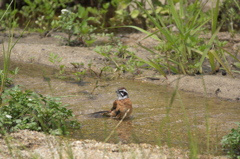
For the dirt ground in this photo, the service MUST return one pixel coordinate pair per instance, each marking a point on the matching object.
(34, 49)
(31, 144)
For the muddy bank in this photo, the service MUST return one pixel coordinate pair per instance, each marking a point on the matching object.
(31, 144)
(206, 85)
(34, 49)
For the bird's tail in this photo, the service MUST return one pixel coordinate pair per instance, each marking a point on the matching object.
(100, 114)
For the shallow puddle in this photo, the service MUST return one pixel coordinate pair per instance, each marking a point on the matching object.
(154, 120)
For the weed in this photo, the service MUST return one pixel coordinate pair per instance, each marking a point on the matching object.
(231, 143)
(77, 65)
(230, 16)
(8, 51)
(119, 58)
(95, 87)
(122, 13)
(8, 17)
(79, 70)
(29, 110)
(8, 81)
(183, 51)
(99, 73)
(79, 75)
(42, 24)
(53, 58)
(100, 15)
(75, 24)
(129, 13)
(41, 12)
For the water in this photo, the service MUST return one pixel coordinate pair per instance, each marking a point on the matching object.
(154, 120)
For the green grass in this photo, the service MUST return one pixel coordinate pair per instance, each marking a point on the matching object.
(184, 51)
(7, 50)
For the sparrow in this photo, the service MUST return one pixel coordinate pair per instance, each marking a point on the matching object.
(121, 106)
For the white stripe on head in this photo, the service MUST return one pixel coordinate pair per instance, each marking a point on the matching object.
(122, 93)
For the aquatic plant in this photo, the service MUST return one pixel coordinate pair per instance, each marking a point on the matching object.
(119, 57)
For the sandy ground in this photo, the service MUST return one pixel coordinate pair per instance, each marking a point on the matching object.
(31, 144)
(33, 49)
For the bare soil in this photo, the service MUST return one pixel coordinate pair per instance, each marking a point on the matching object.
(34, 49)
(31, 144)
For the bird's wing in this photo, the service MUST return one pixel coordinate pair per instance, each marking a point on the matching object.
(114, 105)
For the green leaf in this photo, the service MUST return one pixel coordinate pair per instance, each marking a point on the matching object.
(155, 65)
(215, 11)
(236, 64)
(221, 62)
(18, 121)
(210, 42)
(106, 5)
(211, 59)
(120, 12)
(134, 14)
(146, 32)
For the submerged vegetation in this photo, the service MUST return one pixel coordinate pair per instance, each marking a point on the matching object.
(181, 49)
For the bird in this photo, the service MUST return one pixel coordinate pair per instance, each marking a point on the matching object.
(122, 107)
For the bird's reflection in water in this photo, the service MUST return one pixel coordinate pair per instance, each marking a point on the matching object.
(124, 131)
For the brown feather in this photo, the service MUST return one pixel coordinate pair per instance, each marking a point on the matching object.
(120, 107)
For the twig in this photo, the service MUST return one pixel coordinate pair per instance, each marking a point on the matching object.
(96, 86)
